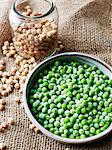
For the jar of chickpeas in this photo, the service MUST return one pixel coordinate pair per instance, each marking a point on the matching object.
(34, 26)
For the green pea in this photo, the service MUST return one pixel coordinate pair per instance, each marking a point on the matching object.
(72, 100)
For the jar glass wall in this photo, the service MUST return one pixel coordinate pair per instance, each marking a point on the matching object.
(34, 27)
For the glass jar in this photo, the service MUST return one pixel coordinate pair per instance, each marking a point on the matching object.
(34, 27)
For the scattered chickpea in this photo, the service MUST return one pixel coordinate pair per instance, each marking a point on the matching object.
(11, 121)
(2, 104)
(4, 47)
(21, 100)
(23, 74)
(3, 80)
(8, 89)
(61, 46)
(5, 74)
(4, 125)
(4, 93)
(10, 81)
(20, 91)
(6, 43)
(5, 52)
(17, 86)
(15, 81)
(1, 87)
(12, 52)
(2, 67)
(32, 60)
(34, 64)
(31, 126)
(2, 101)
(36, 130)
(58, 49)
(1, 129)
(9, 55)
(2, 107)
(22, 105)
(16, 77)
(1, 72)
(17, 99)
(2, 146)
(13, 70)
(2, 62)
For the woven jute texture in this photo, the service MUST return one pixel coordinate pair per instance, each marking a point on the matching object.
(85, 26)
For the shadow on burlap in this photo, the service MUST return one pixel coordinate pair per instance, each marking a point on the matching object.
(82, 28)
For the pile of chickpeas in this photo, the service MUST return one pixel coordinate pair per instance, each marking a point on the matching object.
(35, 39)
(16, 76)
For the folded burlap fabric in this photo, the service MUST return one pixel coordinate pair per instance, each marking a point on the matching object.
(85, 26)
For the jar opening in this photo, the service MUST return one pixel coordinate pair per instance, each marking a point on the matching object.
(49, 4)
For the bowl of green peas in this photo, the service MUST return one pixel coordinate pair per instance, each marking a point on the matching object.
(69, 97)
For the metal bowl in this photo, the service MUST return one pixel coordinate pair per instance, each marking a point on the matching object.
(80, 57)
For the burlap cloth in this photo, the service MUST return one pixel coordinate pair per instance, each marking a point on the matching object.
(85, 26)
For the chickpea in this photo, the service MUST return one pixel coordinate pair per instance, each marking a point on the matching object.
(10, 81)
(28, 7)
(61, 46)
(4, 125)
(8, 89)
(16, 77)
(5, 74)
(2, 62)
(4, 47)
(22, 105)
(2, 107)
(17, 73)
(36, 130)
(17, 99)
(4, 93)
(1, 130)
(5, 52)
(17, 86)
(34, 64)
(11, 121)
(2, 146)
(2, 102)
(1, 72)
(5, 86)
(8, 55)
(2, 67)
(3, 80)
(12, 48)
(13, 70)
(12, 52)
(24, 14)
(20, 91)
(6, 43)
(29, 11)
(32, 126)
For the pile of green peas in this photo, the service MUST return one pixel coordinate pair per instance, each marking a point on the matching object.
(72, 100)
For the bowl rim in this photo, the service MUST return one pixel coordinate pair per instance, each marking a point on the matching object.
(48, 133)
